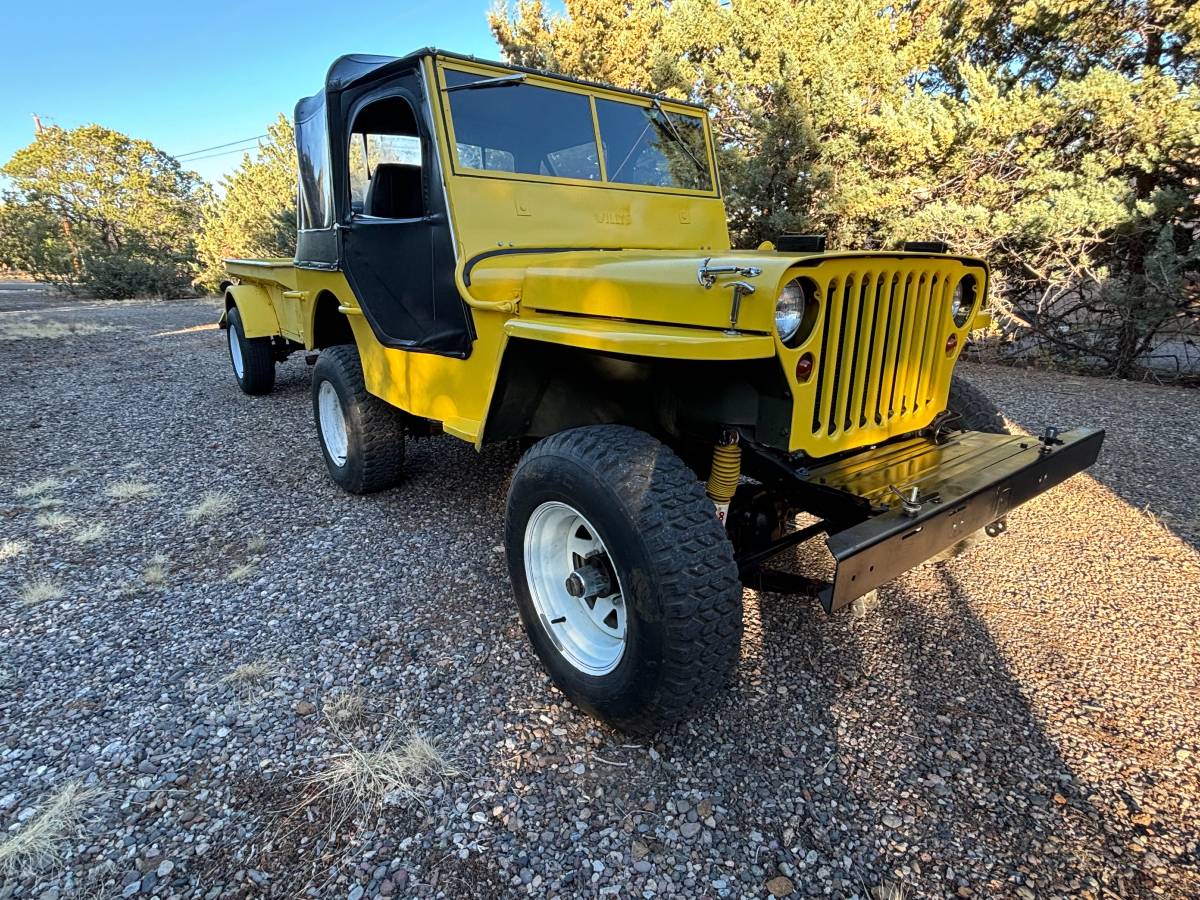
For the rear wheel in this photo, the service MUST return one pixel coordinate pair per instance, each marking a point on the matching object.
(253, 359)
(362, 437)
(623, 576)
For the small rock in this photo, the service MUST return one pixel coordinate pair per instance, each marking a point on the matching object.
(305, 708)
(890, 821)
(780, 886)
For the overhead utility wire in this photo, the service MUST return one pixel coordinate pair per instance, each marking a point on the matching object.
(222, 153)
(220, 146)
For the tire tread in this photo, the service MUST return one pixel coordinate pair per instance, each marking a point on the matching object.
(382, 424)
(693, 559)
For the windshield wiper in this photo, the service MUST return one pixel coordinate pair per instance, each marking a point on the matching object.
(677, 136)
(500, 81)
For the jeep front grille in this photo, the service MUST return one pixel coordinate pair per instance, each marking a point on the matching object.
(883, 367)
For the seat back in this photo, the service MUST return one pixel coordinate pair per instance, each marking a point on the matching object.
(394, 192)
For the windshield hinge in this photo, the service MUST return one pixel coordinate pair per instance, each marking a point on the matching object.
(707, 275)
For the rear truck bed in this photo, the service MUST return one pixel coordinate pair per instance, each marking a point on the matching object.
(911, 499)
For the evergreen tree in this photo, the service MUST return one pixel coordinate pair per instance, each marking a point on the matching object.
(92, 209)
(256, 216)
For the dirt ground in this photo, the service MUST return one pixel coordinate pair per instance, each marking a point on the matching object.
(1022, 721)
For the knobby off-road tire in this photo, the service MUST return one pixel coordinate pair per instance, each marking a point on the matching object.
(362, 437)
(973, 409)
(252, 359)
(669, 556)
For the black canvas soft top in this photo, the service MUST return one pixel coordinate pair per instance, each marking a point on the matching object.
(353, 68)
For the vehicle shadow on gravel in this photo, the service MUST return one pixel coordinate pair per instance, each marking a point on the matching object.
(894, 747)
(982, 774)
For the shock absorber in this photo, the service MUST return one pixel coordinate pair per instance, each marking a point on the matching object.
(725, 473)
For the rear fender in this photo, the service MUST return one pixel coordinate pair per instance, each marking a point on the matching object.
(255, 307)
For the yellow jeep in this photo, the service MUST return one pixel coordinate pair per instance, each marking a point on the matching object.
(505, 254)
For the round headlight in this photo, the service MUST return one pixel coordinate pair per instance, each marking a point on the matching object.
(789, 310)
(963, 301)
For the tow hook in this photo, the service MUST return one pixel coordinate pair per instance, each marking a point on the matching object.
(997, 528)
(912, 503)
(1049, 438)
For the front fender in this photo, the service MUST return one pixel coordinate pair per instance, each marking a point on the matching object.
(256, 309)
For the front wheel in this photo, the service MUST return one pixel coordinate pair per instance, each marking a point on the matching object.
(362, 437)
(624, 578)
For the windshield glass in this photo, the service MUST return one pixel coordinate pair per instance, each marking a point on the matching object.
(516, 127)
(642, 147)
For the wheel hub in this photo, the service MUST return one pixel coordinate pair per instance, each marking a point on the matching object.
(590, 580)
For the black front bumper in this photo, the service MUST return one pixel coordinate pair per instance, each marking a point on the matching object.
(968, 483)
(962, 484)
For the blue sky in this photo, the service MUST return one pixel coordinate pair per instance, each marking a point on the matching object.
(189, 76)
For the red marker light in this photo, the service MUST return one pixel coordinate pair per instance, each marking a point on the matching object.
(951, 343)
(804, 367)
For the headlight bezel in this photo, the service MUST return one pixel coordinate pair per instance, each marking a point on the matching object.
(801, 295)
(963, 300)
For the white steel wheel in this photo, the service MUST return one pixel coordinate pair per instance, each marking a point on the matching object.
(332, 424)
(575, 589)
(235, 353)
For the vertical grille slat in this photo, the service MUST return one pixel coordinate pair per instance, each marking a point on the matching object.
(845, 357)
(866, 338)
(920, 333)
(920, 327)
(912, 302)
(887, 361)
(937, 304)
(881, 362)
(828, 291)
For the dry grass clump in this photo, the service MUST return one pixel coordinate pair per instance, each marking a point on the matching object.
(242, 572)
(365, 780)
(251, 676)
(256, 544)
(890, 890)
(46, 503)
(38, 488)
(157, 569)
(34, 592)
(344, 709)
(12, 549)
(211, 505)
(129, 489)
(90, 533)
(53, 520)
(24, 329)
(38, 842)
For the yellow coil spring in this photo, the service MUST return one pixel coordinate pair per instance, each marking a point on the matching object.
(726, 470)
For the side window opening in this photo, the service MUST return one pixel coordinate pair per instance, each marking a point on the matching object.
(385, 161)
(314, 207)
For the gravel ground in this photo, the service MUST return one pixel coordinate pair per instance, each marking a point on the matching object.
(1019, 722)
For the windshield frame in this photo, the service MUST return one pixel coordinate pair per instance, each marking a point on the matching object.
(592, 93)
